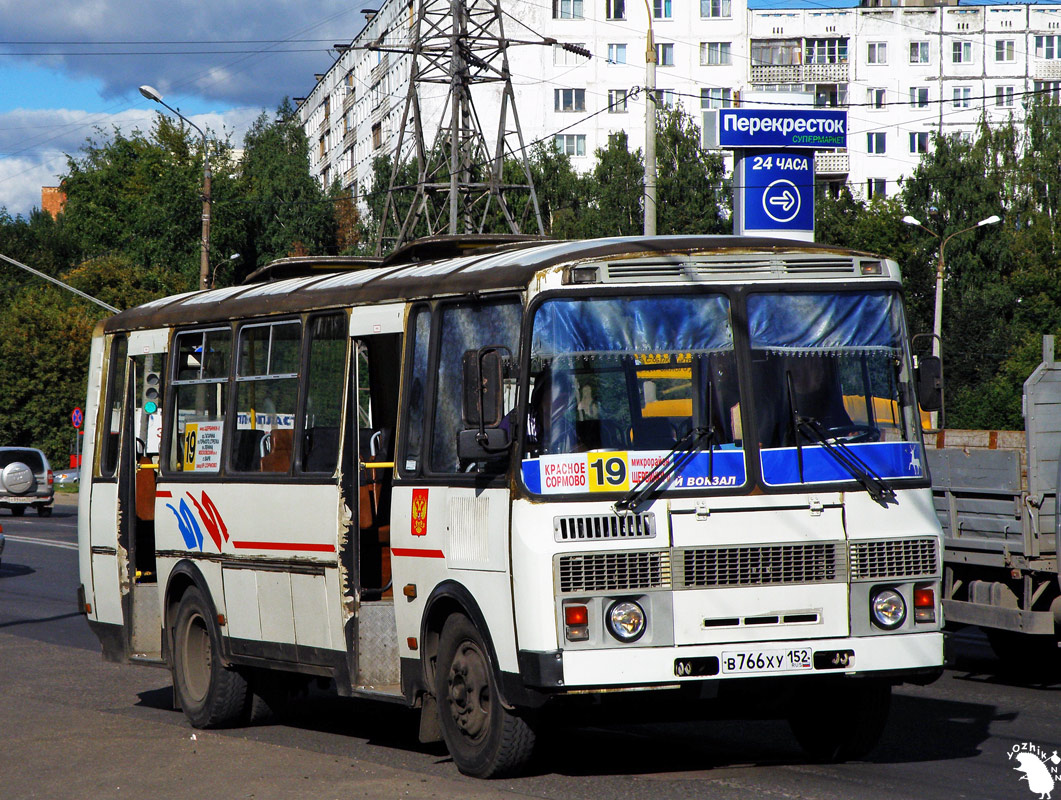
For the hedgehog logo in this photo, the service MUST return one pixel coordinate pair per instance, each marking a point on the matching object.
(1039, 770)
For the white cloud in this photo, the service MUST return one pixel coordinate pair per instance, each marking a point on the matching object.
(34, 144)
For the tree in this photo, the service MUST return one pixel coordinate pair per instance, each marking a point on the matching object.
(617, 189)
(283, 207)
(692, 195)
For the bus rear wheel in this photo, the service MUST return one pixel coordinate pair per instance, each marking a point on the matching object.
(840, 721)
(485, 739)
(211, 694)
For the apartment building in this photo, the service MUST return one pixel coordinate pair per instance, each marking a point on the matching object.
(901, 71)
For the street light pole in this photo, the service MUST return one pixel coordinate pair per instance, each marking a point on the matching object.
(204, 257)
(937, 315)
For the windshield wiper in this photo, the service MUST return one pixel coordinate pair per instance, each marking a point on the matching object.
(679, 456)
(874, 484)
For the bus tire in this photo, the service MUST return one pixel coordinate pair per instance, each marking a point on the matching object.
(841, 721)
(211, 694)
(485, 739)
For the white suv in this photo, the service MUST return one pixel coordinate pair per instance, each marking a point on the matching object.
(25, 480)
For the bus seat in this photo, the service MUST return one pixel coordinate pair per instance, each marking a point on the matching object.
(321, 451)
(281, 444)
(653, 433)
(246, 450)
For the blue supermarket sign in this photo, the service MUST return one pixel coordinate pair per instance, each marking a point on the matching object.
(811, 129)
(778, 190)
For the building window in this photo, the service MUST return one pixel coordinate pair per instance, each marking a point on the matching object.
(569, 99)
(572, 144)
(918, 141)
(877, 98)
(876, 187)
(617, 101)
(377, 136)
(827, 51)
(828, 95)
(918, 52)
(713, 54)
(716, 98)
(961, 52)
(1005, 50)
(615, 9)
(666, 98)
(665, 54)
(1048, 90)
(715, 8)
(876, 142)
(1004, 96)
(775, 53)
(962, 96)
(919, 96)
(1048, 47)
(567, 9)
(566, 58)
(877, 53)
(661, 9)
(617, 54)
(320, 148)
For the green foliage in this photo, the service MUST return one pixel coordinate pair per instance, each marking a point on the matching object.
(691, 193)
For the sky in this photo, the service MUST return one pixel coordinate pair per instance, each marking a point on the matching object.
(70, 71)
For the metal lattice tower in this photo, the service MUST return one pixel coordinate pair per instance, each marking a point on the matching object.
(460, 185)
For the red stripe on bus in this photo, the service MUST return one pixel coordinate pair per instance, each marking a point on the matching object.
(316, 548)
(164, 495)
(412, 552)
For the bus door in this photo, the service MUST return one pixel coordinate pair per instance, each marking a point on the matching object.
(137, 473)
(376, 353)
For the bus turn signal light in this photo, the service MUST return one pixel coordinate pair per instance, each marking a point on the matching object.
(576, 623)
(924, 604)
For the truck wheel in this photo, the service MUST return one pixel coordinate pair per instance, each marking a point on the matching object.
(485, 739)
(18, 511)
(211, 694)
(841, 721)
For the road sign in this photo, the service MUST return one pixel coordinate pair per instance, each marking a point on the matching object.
(77, 417)
(777, 191)
(810, 129)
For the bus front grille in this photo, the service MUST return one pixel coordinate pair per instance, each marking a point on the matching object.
(763, 565)
(595, 527)
(614, 572)
(899, 558)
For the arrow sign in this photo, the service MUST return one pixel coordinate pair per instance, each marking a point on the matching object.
(781, 200)
(785, 201)
(777, 191)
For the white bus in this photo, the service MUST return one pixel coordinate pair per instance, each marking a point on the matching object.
(485, 477)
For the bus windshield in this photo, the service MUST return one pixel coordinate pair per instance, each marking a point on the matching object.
(617, 382)
(831, 369)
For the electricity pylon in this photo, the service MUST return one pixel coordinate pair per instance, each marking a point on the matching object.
(460, 184)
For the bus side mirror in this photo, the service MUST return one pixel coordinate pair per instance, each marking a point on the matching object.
(483, 437)
(930, 383)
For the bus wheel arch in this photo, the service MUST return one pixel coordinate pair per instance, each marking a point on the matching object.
(449, 598)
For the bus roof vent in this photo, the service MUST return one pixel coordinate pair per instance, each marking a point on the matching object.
(729, 265)
(601, 527)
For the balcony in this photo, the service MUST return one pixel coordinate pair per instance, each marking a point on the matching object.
(1047, 69)
(828, 163)
(799, 73)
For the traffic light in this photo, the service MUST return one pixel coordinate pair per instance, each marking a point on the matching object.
(152, 386)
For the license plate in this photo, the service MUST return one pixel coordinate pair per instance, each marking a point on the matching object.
(756, 661)
(15, 500)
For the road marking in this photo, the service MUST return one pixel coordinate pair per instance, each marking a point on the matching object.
(45, 542)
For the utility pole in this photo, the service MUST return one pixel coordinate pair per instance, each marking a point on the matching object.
(460, 180)
(650, 129)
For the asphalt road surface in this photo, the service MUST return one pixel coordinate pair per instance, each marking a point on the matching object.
(75, 727)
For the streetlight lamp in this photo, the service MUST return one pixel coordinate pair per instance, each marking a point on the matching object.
(153, 94)
(937, 316)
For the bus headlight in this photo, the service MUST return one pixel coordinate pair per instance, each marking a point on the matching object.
(887, 609)
(626, 620)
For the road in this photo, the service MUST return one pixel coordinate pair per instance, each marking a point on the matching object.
(76, 727)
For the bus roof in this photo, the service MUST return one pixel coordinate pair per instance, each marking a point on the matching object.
(329, 282)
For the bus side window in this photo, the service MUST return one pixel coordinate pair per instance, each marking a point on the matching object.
(110, 425)
(325, 367)
(414, 399)
(199, 398)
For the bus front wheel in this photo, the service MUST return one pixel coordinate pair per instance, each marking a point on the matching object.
(840, 721)
(485, 739)
(211, 694)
